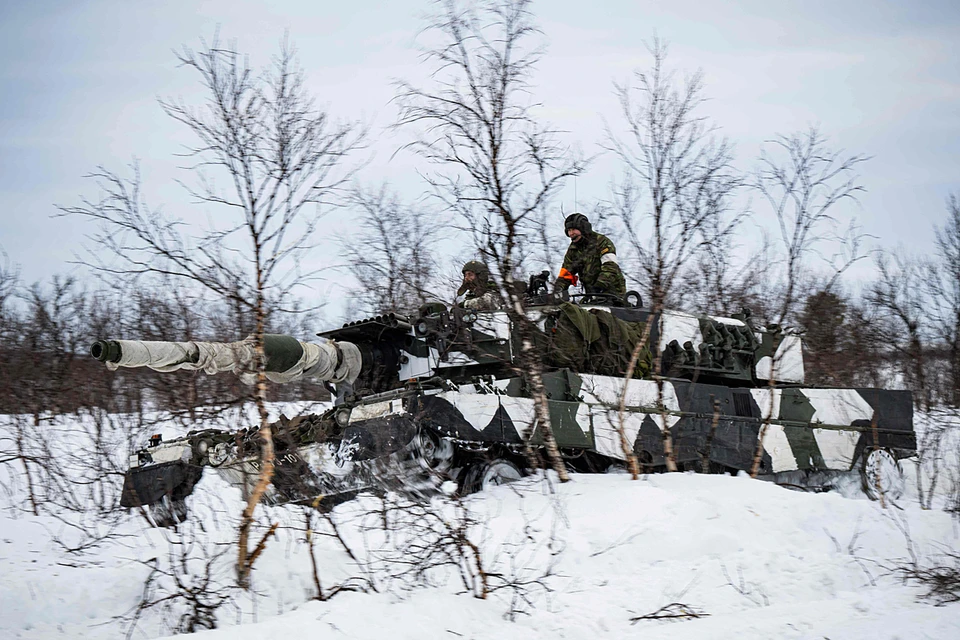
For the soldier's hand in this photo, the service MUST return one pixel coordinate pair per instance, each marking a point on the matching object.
(560, 292)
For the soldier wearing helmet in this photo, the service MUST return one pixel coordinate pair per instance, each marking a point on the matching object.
(590, 259)
(481, 291)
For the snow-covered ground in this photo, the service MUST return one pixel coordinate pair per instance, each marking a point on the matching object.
(756, 560)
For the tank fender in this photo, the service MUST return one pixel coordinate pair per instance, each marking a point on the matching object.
(376, 437)
(148, 485)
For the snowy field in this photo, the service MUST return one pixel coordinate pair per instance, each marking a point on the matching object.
(752, 559)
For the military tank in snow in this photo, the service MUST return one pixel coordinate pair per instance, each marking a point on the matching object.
(419, 401)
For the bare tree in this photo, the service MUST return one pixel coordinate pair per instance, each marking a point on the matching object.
(496, 166)
(9, 282)
(832, 352)
(548, 243)
(65, 451)
(898, 296)
(39, 374)
(722, 282)
(283, 159)
(677, 184)
(802, 188)
(678, 178)
(393, 255)
(943, 289)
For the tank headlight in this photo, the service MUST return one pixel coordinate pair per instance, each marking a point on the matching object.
(342, 417)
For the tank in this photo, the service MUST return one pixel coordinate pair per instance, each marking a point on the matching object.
(421, 401)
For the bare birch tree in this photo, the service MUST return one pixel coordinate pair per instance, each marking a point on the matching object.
(678, 178)
(9, 327)
(898, 295)
(393, 254)
(721, 281)
(802, 180)
(943, 288)
(495, 166)
(283, 159)
(802, 188)
(676, 189)
(9, 280)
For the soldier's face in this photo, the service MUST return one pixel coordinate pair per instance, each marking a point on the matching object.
(574, 235)
(469, 277)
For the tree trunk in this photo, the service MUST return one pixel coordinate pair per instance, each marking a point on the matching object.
(533, 371)
(26, 467)
(916, 353)
(705, 464)
(628, 450)
(246, 559)
(772, 388)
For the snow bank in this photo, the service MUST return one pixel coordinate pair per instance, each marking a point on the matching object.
(762, 561)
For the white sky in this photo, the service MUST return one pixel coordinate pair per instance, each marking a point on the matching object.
(79, 82)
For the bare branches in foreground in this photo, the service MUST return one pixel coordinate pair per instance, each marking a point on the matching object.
(672, 611)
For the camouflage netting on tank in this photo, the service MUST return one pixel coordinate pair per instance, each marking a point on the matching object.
(594, 341)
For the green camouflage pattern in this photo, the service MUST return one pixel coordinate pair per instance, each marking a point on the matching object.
(810, 430)
(583, 258)
(593, 341)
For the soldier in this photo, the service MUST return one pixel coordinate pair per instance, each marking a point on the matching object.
(592, 258)
(481, 291)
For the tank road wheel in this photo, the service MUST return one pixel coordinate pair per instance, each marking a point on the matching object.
(485, 474)
(434, 453)
(882, 475)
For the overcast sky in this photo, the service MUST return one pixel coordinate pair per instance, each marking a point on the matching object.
(79, 83)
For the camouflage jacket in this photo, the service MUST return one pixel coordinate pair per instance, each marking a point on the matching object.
(594, 261)
(483, 299)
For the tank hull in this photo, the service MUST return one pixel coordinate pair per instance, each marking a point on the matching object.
(414, 440)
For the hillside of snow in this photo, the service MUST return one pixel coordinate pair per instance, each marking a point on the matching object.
(580, 560)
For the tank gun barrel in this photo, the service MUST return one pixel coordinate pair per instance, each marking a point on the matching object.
(287, 358)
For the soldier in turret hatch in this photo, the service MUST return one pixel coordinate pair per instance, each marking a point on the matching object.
(591, 258)
(481, 291)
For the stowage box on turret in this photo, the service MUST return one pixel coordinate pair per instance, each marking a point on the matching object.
(438, 397)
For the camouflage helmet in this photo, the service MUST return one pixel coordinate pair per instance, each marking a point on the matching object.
(577, 221)
(478, 268)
